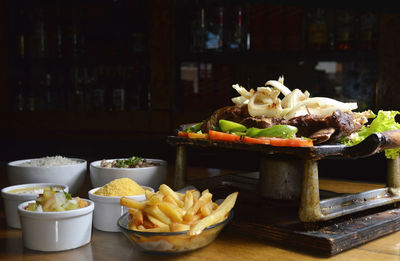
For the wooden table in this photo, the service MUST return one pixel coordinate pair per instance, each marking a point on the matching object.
(230, 245)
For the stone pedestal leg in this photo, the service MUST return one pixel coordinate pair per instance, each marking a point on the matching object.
(310, 209)
(180, 168)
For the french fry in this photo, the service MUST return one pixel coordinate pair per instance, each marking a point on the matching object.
(216, 215)
(188, 200)
(169, 199)
(172, 211)
(207, 209)
(181, 196)
(138, 218)
(204, 199)
(157, 222)
(147, 224)
(148, 194)
(157, 213)
(155, 199)
(176, 227)
(214, 206)
(196, 195)
(131, 203)
(168, 191)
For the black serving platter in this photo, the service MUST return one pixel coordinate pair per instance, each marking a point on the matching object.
(374, 143)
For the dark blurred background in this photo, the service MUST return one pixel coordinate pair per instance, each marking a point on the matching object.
(99, 79)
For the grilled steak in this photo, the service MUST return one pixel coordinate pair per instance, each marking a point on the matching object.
(324, 129)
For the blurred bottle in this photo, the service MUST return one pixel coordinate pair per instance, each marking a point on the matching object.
(55, 30)
(344, 29)
(368, 31)
(30, 101)
(118, 93)
(238, 36)
(199, 30)
(50, 95)
(21, 23)
(20, 96)
(215, 30)
(318, 34)
(98, 90)
(38, 41)
(78, 95)
(138, 28)
(74, 33)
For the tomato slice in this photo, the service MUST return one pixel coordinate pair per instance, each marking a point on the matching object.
(255, 140)
(182, 134)
(217, 135)
(193, 135)
(298, 142)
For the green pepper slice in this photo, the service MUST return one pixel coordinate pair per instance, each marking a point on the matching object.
(278, 131)
(230, 126)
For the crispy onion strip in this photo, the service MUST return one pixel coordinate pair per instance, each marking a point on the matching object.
(278, 85)
(320, 106)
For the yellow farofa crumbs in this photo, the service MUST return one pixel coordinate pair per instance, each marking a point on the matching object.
(120, 187)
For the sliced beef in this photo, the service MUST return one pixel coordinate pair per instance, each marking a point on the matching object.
(230, 113)
(260, 122)
(324, 129)
(344, 124)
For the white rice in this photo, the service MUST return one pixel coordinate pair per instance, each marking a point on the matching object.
(49, 162)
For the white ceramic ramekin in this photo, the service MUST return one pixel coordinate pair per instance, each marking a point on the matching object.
(72, 175)
(56, 231)
(152, 176)
(108, 210)
(12, 200)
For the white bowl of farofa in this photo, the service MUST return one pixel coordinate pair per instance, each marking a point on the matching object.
(108, 210)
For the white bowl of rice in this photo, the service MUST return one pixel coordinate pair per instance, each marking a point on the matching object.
(54, 169)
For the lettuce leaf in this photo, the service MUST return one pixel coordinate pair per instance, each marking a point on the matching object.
(384, 121)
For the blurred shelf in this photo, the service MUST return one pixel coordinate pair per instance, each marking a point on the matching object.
(139, 58)
(281, 56)
(96, 122)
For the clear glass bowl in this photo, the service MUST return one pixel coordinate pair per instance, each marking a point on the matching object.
(170, 242)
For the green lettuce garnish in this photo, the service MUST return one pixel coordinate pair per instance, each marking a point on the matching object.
(384, 121)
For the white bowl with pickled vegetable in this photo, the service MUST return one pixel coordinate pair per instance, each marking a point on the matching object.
(152, 176)
(14, 195)
(60, 170)
(108, 209)
(68, 228)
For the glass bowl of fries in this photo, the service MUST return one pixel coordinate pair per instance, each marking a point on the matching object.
(170, 222)
(170, 242)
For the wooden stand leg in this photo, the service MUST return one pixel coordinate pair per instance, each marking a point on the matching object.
(393, 175)
(310, 209)
(180, 168)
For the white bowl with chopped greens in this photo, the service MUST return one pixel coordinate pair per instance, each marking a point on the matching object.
(55, 221)
(152, 173)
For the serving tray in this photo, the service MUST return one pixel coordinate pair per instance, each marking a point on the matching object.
(374, 143)
(304, 176)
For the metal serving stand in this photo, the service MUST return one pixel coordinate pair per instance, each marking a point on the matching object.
(292, 173)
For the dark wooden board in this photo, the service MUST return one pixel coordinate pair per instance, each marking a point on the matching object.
(276, 221)
(373, 144)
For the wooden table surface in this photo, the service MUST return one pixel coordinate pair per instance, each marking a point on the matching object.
(230, 244)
